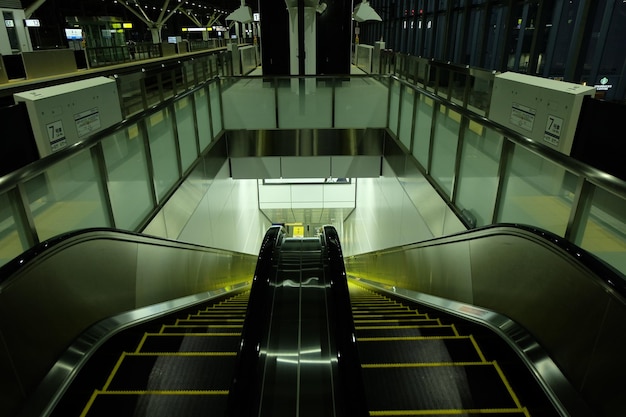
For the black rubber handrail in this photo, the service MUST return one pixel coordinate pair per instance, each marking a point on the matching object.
(243, 397)
(351, 400)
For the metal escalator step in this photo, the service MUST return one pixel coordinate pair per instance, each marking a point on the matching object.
(130, 404)
(507, 412)
(405, 331)
(216, 315)
(209, 321)
(208, 342)
(395, 316)
(437, 387)
(140, 372)
(396, 322)
(223, 328)
(419, 350)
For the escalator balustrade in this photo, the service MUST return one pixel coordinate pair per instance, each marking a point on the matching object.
(185, 369)
(415, 365)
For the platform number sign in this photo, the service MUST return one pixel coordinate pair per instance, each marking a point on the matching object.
(56, 135)
(552, 134)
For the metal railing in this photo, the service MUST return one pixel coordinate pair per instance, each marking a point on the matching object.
(484, 171)
(118, 178)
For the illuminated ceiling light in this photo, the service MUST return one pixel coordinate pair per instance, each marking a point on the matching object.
(243, 14)
(363, 12)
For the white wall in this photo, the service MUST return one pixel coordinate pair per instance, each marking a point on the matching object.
(226, 215)
(393, 211)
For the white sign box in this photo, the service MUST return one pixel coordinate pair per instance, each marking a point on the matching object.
(65, 114)
(539, 108)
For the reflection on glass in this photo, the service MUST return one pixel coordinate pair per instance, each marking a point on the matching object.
(128, 182)
(66, 197)
(305, 104)
(361, 103)
(186, 132)
(10, 244)
(446, 138)
(202, 117)
(423, 127)
(406, 116)
(536, 192)
(248, 104)
(604, 232)
(478, 174)
(163, 149)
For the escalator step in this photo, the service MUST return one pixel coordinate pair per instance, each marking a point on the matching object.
(129, 404)
(424, 350)
(209, 321)
(437, 387)
(211, 342)
(405, 331)
(216, 315)
(169, 329)
(138, 372)
(509, 412)
(402, 322)
(395, 316)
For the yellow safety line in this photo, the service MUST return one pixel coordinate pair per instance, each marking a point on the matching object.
(447, 412)
(166, 392)
(408, 326)
(113, 371)
(413, 338)
(455, 329)
(506, 384)
(478, 350)
(143, 339)
(415, 320)
(182, 354)
(208, 320)
(90, 403)
(420, 364)
(190, 334)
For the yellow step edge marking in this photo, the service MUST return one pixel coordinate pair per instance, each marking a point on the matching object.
(448, 412)
(208, 320)
(414, 338)
(164, 392)
(408, 326)
(506, 384)
(456, 332)
(478, 350)
(415, 320)
(191, 334)
(420, 364)
(90, 403)
(143, 340)
(181, 354)
(113, 371)
(196, 326)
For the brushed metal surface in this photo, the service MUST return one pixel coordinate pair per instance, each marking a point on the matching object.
(576, 317)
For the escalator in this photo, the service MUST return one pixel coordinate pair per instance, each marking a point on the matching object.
(302, 341)
(181, 367)
(414, 364)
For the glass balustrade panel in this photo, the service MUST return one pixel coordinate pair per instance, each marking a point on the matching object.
(406, 116)
(361, 102)
(216, 108)
(445, 142)
(10, 242)
(128, 180)
(66, 197)
(423, 128)
(249, 103)
(394, 106)
(536, 192)
(202, 117)
(478, 174)
(604, 229)
(305, 103)
(185, 125)
(163, 150)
